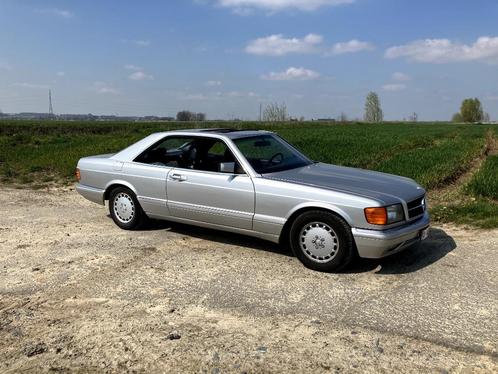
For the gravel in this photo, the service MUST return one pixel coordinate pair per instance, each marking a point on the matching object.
(79, 294)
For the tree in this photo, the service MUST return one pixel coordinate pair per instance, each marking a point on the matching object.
(183, 116)
(486, 117)
(457, 117)
(187, 116)
(373, 111)
(200, 117)
(275, 113)
(413, 117)
(343, 117)
(471, 110)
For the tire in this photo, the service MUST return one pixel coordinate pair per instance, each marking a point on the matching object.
(125, 209)
(322, 241)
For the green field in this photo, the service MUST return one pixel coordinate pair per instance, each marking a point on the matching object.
(485, 182)
(38, 153)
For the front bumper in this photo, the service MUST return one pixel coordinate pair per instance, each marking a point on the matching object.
(378, 244)
(90, 193)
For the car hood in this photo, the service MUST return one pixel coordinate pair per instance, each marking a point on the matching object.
(385, 188)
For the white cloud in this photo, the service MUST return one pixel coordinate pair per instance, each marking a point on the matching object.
(142, 43)
(132, 67)
(292, 74)
(219, 95)
(31, 85)
(245, 6)
(63, 13)
(140, 76)
(400, 77)
(444, 50)
(195, 96)
(278, 45)
(213, 83)
(107, 90)
(240, 94)
(352, 46)
(104, 88)
(394, 87)
(60, 74)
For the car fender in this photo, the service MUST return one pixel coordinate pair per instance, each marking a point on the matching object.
(121, 182)
(321, 205)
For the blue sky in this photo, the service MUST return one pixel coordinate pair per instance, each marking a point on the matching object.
(226, 57)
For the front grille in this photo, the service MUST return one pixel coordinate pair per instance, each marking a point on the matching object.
(416, 207)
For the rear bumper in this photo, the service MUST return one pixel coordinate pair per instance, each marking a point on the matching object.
(378, 244)
(90, 193)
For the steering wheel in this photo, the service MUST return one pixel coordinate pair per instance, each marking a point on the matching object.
(272, 158)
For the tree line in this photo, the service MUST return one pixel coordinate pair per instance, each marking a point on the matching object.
(471, 110)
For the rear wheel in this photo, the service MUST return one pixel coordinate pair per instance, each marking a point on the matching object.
(125, 209)
(322, 241)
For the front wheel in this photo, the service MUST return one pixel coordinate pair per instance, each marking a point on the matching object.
(125, 209)
(322, 241)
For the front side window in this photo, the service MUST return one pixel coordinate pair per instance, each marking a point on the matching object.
(269, 153)
(197, 153)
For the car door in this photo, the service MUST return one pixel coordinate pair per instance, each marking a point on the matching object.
(148, 174)
(200, 193)
(150, 184)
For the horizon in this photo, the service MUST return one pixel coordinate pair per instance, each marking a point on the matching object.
(320, 57)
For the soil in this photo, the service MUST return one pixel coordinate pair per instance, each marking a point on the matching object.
(77, 294)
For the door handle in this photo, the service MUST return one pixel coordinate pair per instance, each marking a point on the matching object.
(178, 177)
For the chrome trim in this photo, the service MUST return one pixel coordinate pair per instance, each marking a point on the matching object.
(209, 210)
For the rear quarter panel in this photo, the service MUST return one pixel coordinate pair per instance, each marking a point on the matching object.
(96, 172)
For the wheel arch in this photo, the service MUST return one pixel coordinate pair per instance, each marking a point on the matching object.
(117, 183)
(303, 208)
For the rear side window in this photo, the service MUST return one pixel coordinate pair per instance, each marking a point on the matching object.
(197, 153)
(167, 152)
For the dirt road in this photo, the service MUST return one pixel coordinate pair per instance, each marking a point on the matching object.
(78, 294)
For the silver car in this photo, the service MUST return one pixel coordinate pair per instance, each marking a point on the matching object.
(255, 183)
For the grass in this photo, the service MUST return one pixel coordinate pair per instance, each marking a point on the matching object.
(485, 182)
(40, 153)
(431, 154)
(481, 213)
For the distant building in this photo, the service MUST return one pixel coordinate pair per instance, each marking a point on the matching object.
(81, 117)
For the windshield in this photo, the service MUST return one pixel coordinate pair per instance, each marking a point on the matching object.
(269, 153)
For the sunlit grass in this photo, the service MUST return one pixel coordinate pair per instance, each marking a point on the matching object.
(428, 153)
(485, 182)
(481, 213)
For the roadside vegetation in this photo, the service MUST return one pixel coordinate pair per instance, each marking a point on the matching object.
(38, 154)
(485, 182)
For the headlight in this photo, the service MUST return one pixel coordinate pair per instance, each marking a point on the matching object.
(385, 215)
(395, 213)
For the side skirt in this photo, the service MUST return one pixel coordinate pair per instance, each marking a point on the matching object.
(261, 235)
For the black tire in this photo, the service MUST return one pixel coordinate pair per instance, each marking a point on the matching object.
(322, 241)
(131, 218)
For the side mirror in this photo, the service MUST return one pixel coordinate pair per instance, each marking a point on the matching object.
(227, 167)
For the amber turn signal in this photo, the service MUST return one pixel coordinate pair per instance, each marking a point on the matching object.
(78, 174)
(376, 216)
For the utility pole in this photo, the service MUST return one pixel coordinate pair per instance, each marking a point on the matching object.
(260, 111)
(50, 107)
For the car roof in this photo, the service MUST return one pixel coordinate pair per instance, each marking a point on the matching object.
(229, 133)
(135, 149)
